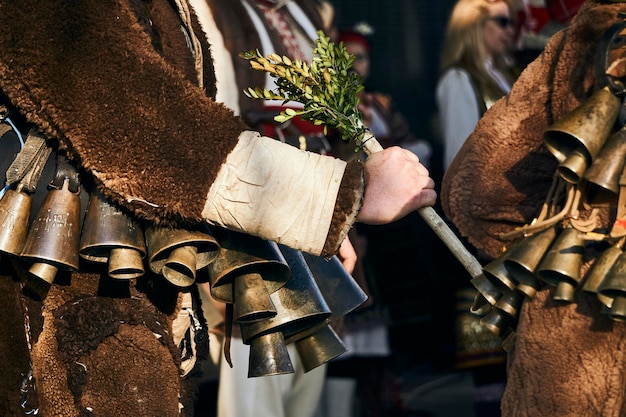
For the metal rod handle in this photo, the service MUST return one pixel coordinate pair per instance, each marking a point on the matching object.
(437, 224)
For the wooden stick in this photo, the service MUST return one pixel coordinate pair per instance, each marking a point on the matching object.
(437, 224)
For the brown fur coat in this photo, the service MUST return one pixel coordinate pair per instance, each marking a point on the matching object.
(568, 360)
(94, 346)
(112, 84)
(60, 73)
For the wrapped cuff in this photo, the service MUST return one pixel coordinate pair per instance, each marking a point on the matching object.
(280, 193)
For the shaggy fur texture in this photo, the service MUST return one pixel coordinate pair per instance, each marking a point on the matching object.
(113, 84)
(141, 154)
(111, 354)
(568, 360)
(93, 346)
(135, 134)
(14, 365)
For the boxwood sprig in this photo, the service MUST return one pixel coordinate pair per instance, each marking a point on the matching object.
(327, 87)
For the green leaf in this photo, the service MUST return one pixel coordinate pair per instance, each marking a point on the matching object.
(327, 87)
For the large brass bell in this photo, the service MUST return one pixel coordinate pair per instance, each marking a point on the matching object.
(618, 308)
(604, 173)
(510, 303)
(498, 323)
(54, 237)
(178, 254)
(480, 306)
(524, 258)
(317, 346)
(574, 166)
(300, 305)
(15, 203)
(487, 288)
(251, 300)
(340, 290)
(581, 133)
(15, 209)
(600, 270)
(613, 287)
(245, 272)
(269, 356)
(561, 265)
(497, 271)
(113, 237)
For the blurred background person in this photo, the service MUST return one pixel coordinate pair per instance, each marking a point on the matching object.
(285, 27)
(476, 69)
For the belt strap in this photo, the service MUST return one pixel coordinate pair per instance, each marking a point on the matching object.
(28, 165)
(65, 172)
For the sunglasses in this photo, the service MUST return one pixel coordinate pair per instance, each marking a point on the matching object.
(502, 21)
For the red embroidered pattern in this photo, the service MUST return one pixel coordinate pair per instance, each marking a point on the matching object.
(277, 20)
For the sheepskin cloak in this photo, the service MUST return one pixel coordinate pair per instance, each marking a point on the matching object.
(94, 346)
(568, 360)
(61, 67)
(123, 89)
(125, 107)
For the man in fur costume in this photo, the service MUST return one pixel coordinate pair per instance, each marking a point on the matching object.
(121, 91)
(566, 358)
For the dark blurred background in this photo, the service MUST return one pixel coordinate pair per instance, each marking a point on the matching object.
(405, 52)
(416, 275)
(415, 280)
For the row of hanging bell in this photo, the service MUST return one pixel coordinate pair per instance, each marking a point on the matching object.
(16, 204)
(554, 259)
(277, 301)
(109, 236)
(114, 237)
(276, 295)
(54, 240)
(596, 130)
(591, 154)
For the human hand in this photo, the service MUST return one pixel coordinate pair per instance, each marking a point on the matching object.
(396, 184)
(347, 255)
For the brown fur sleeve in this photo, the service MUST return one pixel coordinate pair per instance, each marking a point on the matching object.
(502, 173)
(104, 80)
(352, 180)
(88, 74)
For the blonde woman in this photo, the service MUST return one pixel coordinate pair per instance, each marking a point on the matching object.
(476, 69)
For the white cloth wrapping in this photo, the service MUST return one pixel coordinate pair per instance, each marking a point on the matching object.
(296, 212)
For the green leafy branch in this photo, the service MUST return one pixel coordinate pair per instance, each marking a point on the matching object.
(327, 87)
(329, 91)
